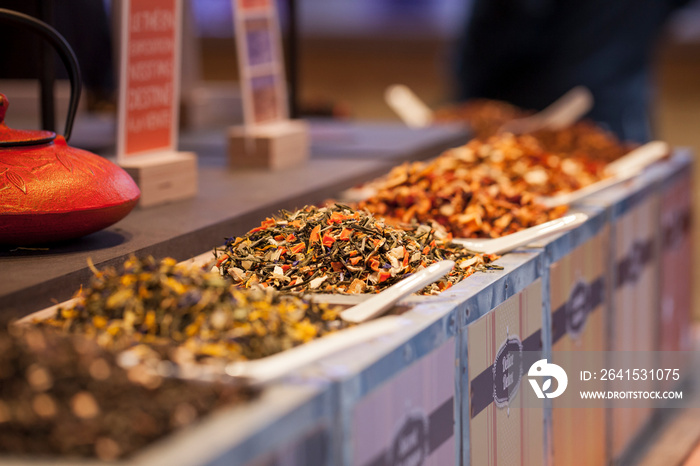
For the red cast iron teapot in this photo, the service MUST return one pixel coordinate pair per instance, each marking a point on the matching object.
(50, 191)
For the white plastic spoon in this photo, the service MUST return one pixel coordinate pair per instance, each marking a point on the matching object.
(408, 106)
(276, 366)
(380, 303)
(563, 112)
(638, 159)
(621, 170)
(521, 238)
(579, 194)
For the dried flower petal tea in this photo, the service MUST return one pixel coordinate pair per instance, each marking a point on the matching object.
(161, 303)
(336, 249)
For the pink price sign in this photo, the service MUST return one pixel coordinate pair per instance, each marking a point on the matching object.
(149, 76)
(253, 4)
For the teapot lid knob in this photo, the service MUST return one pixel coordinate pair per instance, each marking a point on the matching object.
(3, 107)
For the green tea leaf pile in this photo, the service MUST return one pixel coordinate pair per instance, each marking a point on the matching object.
(336, 249)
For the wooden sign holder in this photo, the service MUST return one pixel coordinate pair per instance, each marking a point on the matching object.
(272, 146)
(165, 177)
(268, 139)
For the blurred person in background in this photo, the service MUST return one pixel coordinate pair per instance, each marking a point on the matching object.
(530, 52)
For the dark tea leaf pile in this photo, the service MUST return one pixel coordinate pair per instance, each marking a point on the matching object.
(67, 396)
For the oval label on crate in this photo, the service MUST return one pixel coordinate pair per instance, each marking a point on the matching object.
(631, 267)
(570, 318)
(411, 440)
(636, 261)
(577, 308)
(507, 371)
(675, 225)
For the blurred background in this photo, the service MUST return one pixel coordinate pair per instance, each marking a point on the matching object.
(346, 54)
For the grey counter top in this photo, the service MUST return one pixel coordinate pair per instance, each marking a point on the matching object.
(229, 203)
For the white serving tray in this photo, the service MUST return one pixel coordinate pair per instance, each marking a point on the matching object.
(282, 364)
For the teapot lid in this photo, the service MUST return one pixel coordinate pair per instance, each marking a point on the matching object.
(19, 137)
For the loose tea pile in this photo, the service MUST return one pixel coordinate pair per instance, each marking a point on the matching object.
(514, 162)
(481, 190)
(484, 116)
(163, 303)
(66, 396)
(583, 140)
(336, 249)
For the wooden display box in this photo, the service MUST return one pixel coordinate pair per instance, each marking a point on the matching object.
(273, 146)
(166, 177)
(579, 314)
(501, 429)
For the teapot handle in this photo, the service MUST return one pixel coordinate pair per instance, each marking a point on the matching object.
(64, 51)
